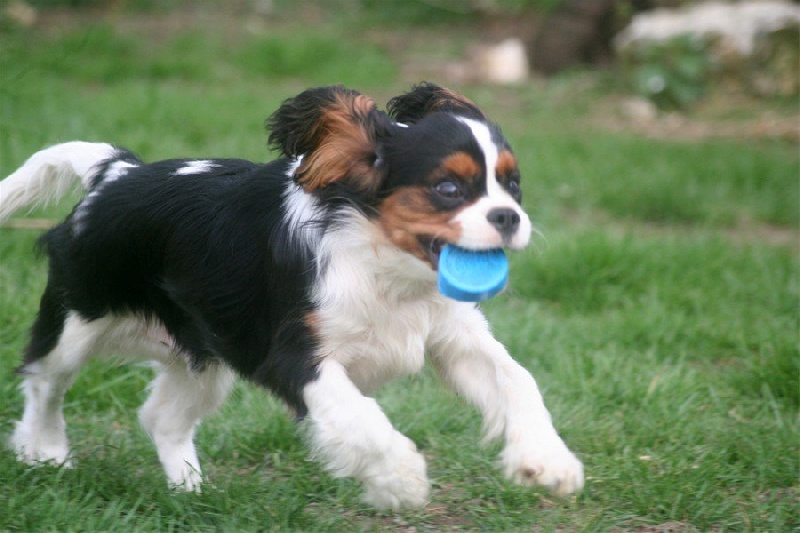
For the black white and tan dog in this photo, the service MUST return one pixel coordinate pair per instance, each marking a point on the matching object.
(313, 276)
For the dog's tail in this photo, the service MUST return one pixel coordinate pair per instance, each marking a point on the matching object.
(50, 174)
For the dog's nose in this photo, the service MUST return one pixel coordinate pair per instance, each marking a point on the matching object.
(505, 220)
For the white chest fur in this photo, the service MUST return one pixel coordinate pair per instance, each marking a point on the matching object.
(377, 306)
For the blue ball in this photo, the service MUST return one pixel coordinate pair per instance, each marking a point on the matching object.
(470, 275)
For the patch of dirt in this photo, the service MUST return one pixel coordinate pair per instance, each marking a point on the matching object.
(667, 527)
(766, 124)
(744, 233)
(29, 223)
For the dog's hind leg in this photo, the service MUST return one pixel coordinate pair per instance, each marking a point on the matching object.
(61, 342)
(179, 399)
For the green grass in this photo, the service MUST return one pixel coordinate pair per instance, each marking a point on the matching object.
(657, 314)
(716, 184)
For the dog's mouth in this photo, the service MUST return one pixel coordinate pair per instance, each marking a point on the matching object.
(433, 249)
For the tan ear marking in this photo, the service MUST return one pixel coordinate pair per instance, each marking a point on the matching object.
(344, 147)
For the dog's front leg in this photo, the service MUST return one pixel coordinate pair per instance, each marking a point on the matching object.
(473, 362)
(353, 437)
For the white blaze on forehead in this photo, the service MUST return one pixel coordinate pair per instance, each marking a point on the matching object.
(196, 167)
(483, 136)
(477, 232)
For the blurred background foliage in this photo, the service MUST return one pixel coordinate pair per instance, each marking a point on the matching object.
(559, 36)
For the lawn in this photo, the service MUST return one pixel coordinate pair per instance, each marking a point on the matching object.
(658, 310)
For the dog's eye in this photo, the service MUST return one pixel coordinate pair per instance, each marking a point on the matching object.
(448, 189)
(512, 186)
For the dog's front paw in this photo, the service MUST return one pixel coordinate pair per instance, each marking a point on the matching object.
(401, 482)
(551, 465)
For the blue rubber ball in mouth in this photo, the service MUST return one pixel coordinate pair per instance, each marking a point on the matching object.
(472, 275)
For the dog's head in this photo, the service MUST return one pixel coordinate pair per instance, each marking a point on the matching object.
(430, 172)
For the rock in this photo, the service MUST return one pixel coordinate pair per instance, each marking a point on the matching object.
(506, 62)
(638, 110)
(21, 13)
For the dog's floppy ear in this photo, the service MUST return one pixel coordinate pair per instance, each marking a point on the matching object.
(428, 97)
(336, 131)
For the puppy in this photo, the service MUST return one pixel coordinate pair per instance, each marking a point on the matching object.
(313, 276)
